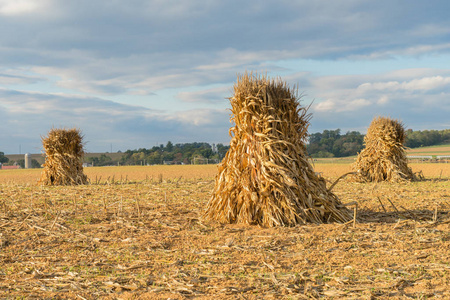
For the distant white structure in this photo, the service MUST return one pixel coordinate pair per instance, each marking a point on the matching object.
(27, 160)
(419, 158)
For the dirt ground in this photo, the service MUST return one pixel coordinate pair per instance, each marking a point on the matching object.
(146, 240)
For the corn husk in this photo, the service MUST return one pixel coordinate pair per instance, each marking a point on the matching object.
(384, 156)
(63, 158)
(266, 177)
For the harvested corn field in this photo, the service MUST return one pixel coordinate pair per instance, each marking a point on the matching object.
(143, 238)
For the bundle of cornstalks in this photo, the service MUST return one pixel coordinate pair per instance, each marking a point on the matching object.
(63, 162)
(384, 156)
(265, 177)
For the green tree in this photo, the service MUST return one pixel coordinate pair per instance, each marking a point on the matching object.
(102, 160)
(222, 150)
(154, 158)
(34, 163)
(169, 146)
(207, 153)
(330, 143)
(175, 152)
(3, 158)
(424, 138)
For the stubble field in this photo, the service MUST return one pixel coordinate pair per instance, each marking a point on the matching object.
(137, 233)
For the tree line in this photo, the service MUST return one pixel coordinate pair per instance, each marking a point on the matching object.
(331, 143)
(188, 153)
(415, 139)
(21, 162)
(3, 158)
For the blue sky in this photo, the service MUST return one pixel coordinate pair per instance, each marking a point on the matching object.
(134, 74)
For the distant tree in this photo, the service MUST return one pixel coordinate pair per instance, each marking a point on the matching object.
(169, 146)
(206, 153)
(331, 143)
(154, 158)
(315, 138)
(424, 138)
(102, 160)
(3, 158)
(322, 154)
(178, 157)
(138, 157)
(222, 150)
(202, 152)
(34, 163)
(169, 156)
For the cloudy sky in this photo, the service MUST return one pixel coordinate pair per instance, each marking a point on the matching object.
(138, 73)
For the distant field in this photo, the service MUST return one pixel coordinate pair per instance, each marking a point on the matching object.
(335, 160)
(432, 150)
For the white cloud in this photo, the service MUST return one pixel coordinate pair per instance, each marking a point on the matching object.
(337, 105)
(218, 66)
(327, 105)
(199, 117)
(418, 84)
(218, 94)
(413, 73)
(357, 104)
(379, 86)
(19, 7)
(427, 83)
(383, 100)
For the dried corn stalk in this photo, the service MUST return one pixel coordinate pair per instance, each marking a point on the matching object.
(265, 177)
(64, 153)
(384, 157)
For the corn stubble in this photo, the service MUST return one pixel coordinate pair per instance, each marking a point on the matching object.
(265, 177)
(64, 153)
(384, 157)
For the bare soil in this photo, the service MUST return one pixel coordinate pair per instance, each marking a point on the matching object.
(146, 240)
